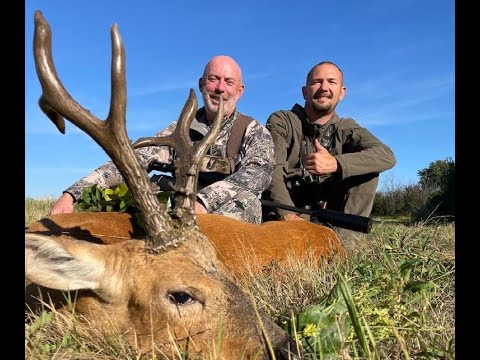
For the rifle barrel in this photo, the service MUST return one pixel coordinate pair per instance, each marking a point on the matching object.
(336, 218)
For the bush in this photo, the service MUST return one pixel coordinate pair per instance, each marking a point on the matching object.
(433, 195)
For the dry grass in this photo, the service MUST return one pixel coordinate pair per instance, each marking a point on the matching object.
(291, 286)
(60, 335)
(35, 209)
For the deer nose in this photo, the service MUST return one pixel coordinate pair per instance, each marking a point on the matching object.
(289, 350)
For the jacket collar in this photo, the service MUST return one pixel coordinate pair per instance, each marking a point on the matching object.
(309, 128)
(201, 117)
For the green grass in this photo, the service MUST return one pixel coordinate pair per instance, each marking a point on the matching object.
(394, 298)
(396, 219)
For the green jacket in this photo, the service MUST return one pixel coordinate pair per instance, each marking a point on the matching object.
(356, 149)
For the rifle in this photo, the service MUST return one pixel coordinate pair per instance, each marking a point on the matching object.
(326, 216)
(163, 181)
(320, 216)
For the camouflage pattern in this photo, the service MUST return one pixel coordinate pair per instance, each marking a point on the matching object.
(237, 195)
(210, 163)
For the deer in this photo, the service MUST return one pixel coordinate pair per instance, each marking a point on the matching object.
(175, 278)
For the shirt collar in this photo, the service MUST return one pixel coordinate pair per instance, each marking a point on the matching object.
(201, 117)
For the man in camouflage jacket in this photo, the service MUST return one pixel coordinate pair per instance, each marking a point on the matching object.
(236, 195)
(321, 157)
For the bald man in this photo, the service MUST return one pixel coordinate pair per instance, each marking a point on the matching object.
(233, 193)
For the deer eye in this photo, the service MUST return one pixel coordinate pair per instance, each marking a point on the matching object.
(181, 298)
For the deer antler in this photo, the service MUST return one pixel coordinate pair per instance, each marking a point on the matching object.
(188, 158)
(110, 134)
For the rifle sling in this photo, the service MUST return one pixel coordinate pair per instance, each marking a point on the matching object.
(236, 137)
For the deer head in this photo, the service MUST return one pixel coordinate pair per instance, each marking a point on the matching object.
(169, 285)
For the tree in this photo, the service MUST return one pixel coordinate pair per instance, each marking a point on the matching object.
(435, 176)
(434, 194)
(438, 182)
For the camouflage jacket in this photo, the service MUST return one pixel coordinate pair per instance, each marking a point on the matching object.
(254, 164)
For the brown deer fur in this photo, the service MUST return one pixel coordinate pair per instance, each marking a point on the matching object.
(238, 244)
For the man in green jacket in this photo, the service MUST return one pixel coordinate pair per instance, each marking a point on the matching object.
(321, 158)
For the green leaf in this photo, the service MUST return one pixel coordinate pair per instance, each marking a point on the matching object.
(121, 190)
(164, 196)
(98, 194)
(357, 320)
(140, 221)
(122, 205)
(416, 299)
(388, 259)
(41, 320)
(107, 193)
(324, 319)
(416, 286)
(328, 339)
(86, 195)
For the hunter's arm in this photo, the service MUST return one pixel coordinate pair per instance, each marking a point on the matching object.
(363, 152)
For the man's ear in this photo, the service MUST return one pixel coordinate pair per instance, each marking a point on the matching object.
(200, 84)
(241, 89)
(342, 93)
(303, 92)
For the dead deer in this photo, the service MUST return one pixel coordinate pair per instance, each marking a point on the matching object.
(173, 280)
(242, 247)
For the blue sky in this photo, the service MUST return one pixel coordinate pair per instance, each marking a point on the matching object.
(398, 60)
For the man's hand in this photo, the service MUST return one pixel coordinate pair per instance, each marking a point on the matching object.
(199, 208)
(321, 162)
(292, 217)
(64, 205)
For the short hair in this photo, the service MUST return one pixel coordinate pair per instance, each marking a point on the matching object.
(323, 63)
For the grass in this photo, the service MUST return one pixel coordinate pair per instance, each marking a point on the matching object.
(35, 209)
(394, 298)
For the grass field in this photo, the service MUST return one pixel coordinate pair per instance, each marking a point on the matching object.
(393, 299)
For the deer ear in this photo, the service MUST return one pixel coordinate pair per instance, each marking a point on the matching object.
(63, 265)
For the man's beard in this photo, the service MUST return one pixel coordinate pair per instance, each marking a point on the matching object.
(320, 108)
(228, 105)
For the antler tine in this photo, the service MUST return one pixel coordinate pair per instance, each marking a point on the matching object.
(186, 117)
(110, 134)
(188, 157)
(187, 162)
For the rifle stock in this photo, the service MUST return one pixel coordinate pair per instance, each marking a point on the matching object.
(326, 216)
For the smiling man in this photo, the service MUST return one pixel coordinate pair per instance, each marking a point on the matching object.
(321, 158)
(240, 162)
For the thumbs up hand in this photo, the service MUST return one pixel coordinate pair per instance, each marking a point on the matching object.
(321, 162)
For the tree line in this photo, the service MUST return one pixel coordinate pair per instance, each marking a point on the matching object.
(432, 196)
